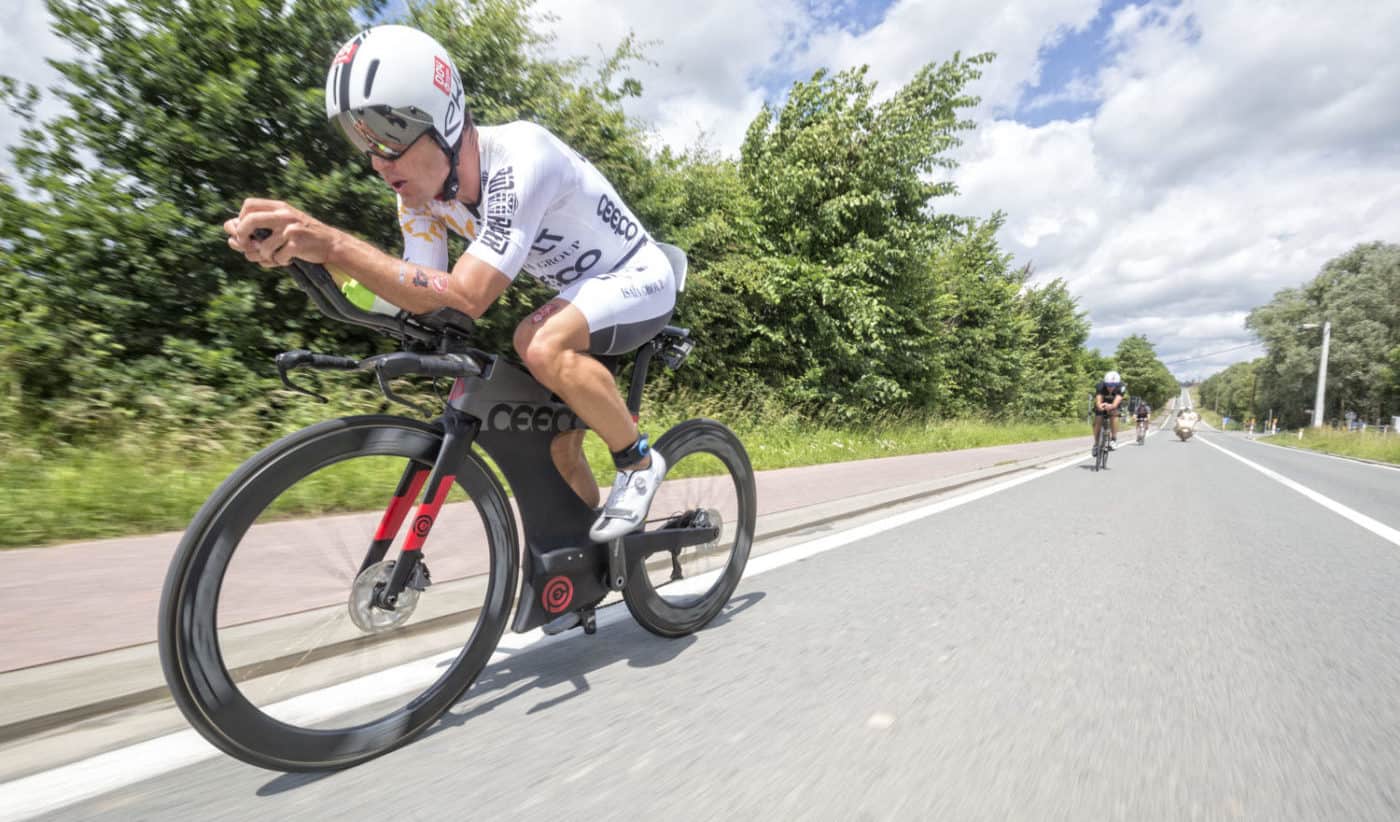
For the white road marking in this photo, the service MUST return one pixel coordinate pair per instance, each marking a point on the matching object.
(1376, 527)
(58, 788)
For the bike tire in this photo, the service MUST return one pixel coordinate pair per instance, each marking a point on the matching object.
(200, 682)
(676, 618)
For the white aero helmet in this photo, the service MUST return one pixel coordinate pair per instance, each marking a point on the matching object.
(390, 85)
(1112, 378)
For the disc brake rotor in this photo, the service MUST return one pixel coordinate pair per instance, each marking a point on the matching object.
(367, 616)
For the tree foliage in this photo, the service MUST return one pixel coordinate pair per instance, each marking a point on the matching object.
(823, 272)
(1359, 293)
(1145, 375)
(1233, 392)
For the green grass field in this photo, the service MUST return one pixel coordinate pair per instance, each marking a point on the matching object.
(153, 484)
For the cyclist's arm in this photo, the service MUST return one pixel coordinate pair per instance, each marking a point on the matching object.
(471, 287)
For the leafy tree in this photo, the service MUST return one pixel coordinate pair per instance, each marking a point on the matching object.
(177, 113)
(1144, 374)
(1359, 292)
(822, 271)
(1234, 391)
(1052, 382)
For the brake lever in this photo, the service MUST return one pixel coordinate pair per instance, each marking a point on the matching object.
(288, 360)
(392, 397)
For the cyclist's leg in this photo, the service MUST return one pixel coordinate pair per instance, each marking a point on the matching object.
(566, 450)
(611, 313)
(608, 314)
(1098, 423)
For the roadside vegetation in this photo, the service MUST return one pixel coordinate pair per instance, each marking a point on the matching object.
(831, 287)
(1370, 445)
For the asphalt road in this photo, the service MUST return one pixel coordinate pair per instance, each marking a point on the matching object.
(1179, 637)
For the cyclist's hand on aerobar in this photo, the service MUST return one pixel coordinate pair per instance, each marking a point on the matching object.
(289, 233)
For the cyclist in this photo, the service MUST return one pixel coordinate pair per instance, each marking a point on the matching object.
(1108, 396)
(525, 202)
(1144, 415)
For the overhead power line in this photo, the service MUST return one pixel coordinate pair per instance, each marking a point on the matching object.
(1214, 353)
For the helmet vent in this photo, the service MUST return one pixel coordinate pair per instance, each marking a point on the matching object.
(369, 76)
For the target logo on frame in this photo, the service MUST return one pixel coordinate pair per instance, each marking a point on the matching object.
(558, 593)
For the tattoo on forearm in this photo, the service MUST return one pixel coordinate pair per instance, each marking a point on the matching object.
(437, 282)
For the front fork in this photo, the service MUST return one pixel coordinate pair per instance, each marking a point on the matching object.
(459, 432)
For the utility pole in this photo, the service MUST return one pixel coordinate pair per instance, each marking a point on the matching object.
(1322, 374)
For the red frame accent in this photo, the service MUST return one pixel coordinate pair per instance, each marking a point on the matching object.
(398, 508)
(427, 514)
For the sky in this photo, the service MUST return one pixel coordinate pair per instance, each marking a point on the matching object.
(1176, 163)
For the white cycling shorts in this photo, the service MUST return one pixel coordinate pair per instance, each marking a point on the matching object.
(629, 305)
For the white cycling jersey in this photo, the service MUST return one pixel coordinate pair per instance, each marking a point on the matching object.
(544, 210)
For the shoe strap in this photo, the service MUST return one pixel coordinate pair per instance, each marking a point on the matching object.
(622, 514)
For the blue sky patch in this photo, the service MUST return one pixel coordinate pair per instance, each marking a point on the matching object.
(1067, 73)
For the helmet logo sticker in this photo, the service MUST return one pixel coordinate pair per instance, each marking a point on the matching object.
(442, 76)
(347, 52)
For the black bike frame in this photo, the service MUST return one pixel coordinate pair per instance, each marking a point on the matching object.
(499, 406)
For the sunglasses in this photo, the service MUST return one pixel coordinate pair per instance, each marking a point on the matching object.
(382, 131)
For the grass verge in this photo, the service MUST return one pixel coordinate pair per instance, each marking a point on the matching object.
(1369, 445)
(146, 484)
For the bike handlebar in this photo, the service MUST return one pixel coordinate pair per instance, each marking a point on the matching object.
(424, 329)
(402, 363)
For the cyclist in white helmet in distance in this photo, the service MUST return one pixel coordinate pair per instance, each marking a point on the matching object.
(1108, 396)
(526, 202)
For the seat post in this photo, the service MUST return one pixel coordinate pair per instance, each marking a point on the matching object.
(639, 378)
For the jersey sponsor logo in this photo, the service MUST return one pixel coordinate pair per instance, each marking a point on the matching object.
(581, 266)
(539, 247)
(616, 218)
(442, 76)
(501, 204)
(548, 246)
(644, 290)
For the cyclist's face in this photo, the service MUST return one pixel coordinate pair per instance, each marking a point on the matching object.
(417, 174)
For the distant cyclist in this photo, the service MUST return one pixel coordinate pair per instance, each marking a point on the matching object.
(1144, 416)
(1108, 397)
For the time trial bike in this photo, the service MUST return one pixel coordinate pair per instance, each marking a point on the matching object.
(297, 639)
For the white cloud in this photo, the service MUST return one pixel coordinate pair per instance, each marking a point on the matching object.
(916, 32)
(703, 57)
(706, 72)
(1237, 148)
(25, 44)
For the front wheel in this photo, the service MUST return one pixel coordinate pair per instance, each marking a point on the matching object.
(709, 483)
(272, 640)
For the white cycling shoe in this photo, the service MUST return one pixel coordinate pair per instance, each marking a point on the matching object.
(1113, 445)
(629, 501)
